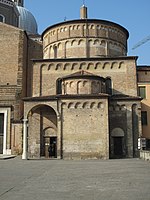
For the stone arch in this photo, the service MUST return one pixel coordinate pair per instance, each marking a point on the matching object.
(98, 26)
(85, 83)
(92, 26)
(100, 105)
(50, 131)
(98, 65)
(121, 65)
(41, 118)
(44, 66)
(58, 45)
(90, 42)
(51, 66)
(71, 105)
(90, 66)
(65, 28)
(66, 66)
(85, 105)
(81, 42)
(103, 43)
(74, 65)
(71, 83)
(78, 27)
(96, 42)
(92, 105)
(58, 66)
(68, 44)
(70, 28)
(82, 66)
(106, 65)
(123, 107)
(78, 105)
(114, 65)
(73, 42)
(117, 132)
(74, 27)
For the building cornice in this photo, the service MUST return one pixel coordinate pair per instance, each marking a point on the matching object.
(104, 22)
(60, 97)
(86, 59)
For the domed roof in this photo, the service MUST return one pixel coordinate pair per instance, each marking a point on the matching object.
(27, 21)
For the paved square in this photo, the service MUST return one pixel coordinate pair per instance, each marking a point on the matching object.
(75, 180)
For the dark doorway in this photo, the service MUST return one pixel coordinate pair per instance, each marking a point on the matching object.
(118, 147)
(51, 147)
(1, 132)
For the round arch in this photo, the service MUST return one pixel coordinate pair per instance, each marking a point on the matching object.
(42, 130)
(117, 132)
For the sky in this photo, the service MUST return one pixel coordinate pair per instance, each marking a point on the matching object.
(134, 15)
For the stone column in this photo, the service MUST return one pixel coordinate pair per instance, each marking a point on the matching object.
(25, 153)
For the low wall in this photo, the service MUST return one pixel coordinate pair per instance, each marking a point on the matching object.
(145, 155)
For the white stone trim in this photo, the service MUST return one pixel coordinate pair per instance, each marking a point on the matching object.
(25, 153)
(5, 150)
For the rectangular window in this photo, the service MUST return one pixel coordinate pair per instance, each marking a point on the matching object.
(144, 117)
(142, 91)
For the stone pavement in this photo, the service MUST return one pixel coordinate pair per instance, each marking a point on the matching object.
(75, 180)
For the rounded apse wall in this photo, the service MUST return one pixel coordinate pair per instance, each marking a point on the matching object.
(82, 84)
(84, 38)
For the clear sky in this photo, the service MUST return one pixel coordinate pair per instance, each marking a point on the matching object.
(134, 15)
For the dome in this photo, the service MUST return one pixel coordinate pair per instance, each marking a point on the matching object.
(27, 21)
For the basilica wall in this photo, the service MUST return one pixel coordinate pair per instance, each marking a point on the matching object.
(13, 63)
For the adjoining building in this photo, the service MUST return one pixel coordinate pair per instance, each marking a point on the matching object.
(76, 101)
(143, 79)
(17, 48)
(9, 14)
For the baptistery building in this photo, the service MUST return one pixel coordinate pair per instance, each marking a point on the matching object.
(77, 94)
(83, 102)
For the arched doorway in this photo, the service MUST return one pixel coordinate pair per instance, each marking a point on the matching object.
(50, 143)
(42, 131)
(117, 143)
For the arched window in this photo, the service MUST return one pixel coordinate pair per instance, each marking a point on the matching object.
(2, 18)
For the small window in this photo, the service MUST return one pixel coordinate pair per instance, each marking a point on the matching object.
(2, 18)
(142, 91)
(144, 117)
